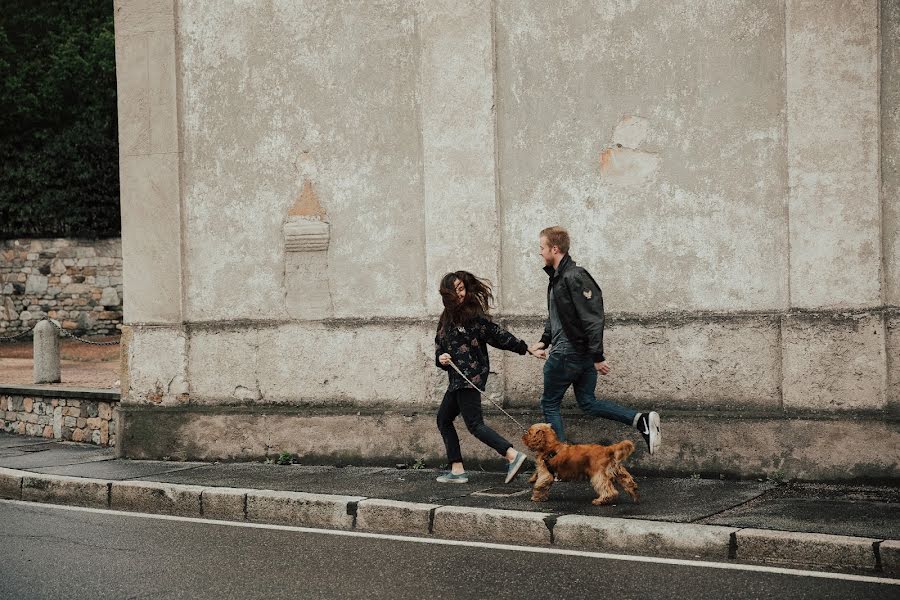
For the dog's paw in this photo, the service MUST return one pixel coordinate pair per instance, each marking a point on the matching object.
(602, 501)
(539, 498)
(533, 477)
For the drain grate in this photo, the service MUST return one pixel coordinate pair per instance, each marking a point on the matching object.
(501, 492)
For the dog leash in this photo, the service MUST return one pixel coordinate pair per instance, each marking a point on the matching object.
(485, 394)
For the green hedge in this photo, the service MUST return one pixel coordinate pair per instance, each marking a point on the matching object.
(59, 157)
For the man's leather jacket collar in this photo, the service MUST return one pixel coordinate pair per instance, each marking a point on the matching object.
(563, 265)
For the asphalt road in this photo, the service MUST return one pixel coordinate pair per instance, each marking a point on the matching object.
(50, 552)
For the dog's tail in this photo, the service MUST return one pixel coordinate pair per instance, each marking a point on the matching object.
(622, 450)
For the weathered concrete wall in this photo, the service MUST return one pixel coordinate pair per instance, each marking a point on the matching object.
(457, 111)
(664, 159)
(728, 173)
(283, 93)
(893, 362)
(833, 154)
(675, 362)
(310, 363)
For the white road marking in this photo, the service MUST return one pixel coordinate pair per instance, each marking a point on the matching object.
(488, 545)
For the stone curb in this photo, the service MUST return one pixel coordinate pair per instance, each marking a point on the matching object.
(393, 516)
(156, 498)
(491, 525)
(302, 509)
(889, 552)
(609, 534)
(790, 548)
(599, 534)
(11, 483)
(228, 504)
(79, 491)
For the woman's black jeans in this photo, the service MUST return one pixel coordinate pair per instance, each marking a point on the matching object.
(468, 403)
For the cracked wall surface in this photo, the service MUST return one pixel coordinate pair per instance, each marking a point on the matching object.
(728, 174)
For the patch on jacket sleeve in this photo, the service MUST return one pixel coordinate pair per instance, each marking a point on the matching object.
(587, 294)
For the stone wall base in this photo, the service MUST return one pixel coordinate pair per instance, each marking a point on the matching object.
(741, 445)
(79, 416)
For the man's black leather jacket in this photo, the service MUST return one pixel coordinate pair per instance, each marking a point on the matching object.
(579, 304)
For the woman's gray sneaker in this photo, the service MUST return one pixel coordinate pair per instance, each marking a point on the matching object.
(513, 469)
(453, 478)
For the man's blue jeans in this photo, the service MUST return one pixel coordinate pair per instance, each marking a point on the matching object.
(564, 369)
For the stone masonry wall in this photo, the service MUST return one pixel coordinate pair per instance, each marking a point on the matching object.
(76, 282)
(89, 421)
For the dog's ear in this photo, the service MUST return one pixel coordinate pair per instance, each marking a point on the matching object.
(530, 439)
(540, 439)
(622, 450)
(549, 436)
(534, 438)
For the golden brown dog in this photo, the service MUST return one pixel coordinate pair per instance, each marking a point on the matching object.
(602, 465)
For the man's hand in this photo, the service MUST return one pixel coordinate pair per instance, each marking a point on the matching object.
(537, 349)
(444, 359)
(602, 367)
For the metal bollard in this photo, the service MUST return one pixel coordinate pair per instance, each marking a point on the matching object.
(46, 353)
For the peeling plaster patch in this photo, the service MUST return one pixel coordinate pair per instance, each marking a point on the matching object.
(631, 131)
(626, 166)
(177, 386)
(622, 163)
(245, 393)
(307, 204)
(155, 395)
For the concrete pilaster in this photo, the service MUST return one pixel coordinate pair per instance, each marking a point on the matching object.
(890, 146)
(456, 90)
(835, 210)
(833, 153)
(149, 153)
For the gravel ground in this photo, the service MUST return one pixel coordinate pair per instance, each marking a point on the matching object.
(82, 365)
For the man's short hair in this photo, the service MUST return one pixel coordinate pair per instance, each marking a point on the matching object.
(557, 236)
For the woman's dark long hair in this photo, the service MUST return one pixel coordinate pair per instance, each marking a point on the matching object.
(477, 303)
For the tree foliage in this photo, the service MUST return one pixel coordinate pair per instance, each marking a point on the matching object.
(59, 159)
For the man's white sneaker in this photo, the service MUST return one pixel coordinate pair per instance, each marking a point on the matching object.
(648, 426)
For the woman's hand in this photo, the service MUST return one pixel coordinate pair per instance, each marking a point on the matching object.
(537, 349)
(444, 359)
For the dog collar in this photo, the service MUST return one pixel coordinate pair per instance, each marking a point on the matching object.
(547, 458)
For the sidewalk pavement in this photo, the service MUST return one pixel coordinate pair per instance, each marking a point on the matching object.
(828, 527)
